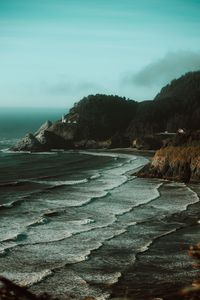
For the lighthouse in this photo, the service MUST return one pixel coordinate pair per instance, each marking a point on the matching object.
(63, 119)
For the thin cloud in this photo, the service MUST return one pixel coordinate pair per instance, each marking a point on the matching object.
(58, 88)
(173, 65)
(66, 87)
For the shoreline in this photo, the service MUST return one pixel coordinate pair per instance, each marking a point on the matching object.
(145, 153)
(138, 266)
(128, 150)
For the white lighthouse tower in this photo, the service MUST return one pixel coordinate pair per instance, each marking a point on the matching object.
(63, 119)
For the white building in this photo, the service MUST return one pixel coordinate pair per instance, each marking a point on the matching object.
(181, 131)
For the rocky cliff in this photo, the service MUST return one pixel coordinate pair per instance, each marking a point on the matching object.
(179, 160)
(49, 136)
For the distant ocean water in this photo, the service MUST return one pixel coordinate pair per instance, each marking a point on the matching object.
(16, 122)
(78, 223)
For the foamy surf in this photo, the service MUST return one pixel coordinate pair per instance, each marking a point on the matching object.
(109, 154)
(26, 279)
(39, 221)
(103, 222)
(183, 196)
(81, 222)
(7, 205)
(107, 279)
(61, 182)
(67, 182)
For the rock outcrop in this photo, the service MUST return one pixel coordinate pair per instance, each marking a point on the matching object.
(28, 143)
(175, 163)
(179, 160)
(49, 136)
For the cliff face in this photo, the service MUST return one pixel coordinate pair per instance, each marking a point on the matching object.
(179, 163)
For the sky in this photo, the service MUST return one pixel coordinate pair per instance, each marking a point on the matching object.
(55, 52)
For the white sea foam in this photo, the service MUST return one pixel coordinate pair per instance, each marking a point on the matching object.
(26, 278)
(61, 182)
(183, 196)
(66, 182)
(7, 205)
(39, 221)
(146, 246)
(9, 151)
(109, 154)
(43, 153)
(131, 223)
(128, 166)
(103, 278)
(95, 176)
(81, 222)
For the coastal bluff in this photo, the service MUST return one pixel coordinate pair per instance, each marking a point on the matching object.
(178, 161)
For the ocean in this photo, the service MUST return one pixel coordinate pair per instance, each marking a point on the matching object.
(79, 223)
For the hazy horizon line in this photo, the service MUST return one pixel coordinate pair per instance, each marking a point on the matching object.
(38, 107)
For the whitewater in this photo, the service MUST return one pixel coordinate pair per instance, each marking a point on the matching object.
(78, 223)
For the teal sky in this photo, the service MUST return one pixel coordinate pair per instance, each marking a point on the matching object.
(54, 52)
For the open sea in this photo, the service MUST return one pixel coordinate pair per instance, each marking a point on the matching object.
(79, 224)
